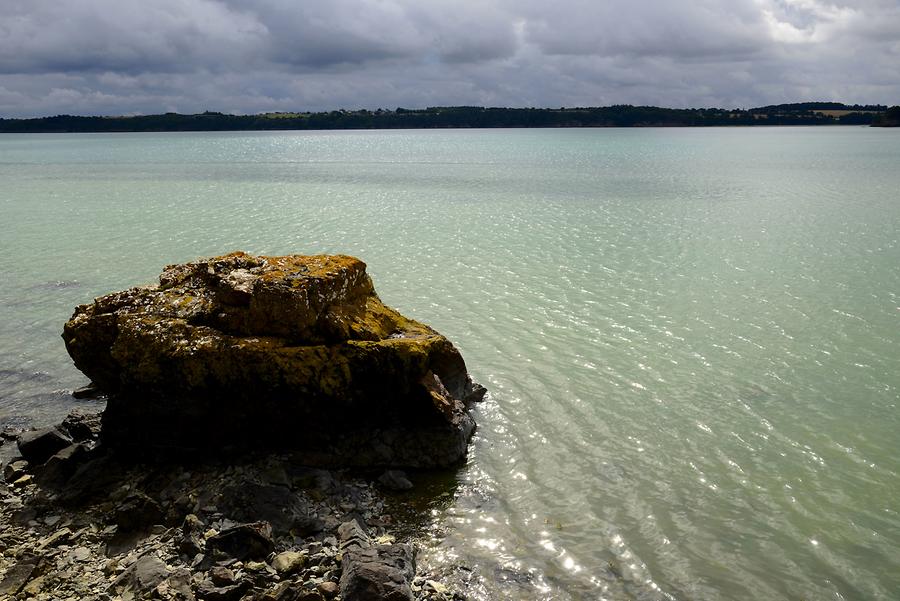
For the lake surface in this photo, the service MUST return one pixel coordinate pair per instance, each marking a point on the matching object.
(691, 337)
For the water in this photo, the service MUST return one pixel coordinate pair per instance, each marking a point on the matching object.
(690, 336)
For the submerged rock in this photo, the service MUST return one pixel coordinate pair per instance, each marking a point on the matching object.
(294, 352)
(395, 480)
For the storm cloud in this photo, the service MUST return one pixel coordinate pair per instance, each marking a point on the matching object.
(247, 56)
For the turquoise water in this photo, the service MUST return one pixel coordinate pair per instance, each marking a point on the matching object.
(690, 336)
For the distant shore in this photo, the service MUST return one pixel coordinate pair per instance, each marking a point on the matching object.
(811, 113)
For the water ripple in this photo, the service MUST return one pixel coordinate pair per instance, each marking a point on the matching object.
(689, 336)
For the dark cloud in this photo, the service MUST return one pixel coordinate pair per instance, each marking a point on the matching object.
(125, 36)
(127, 56)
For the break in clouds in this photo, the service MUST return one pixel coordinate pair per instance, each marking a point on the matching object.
(247, 56)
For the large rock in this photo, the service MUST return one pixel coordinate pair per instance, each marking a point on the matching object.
(294, 352)
(37, 446)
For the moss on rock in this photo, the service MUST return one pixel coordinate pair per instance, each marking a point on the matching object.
(292, 352)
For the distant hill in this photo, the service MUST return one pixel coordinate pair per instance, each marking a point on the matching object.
(807, 113)
(821, 106)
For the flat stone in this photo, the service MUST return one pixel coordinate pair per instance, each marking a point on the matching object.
(57, 538)
(282, 591)
(35, 586)
(90, 391)
(436, 586)
(16, 577)
(80, 554)
(22, 481)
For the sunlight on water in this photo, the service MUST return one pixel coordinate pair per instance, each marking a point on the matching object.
(690, 337)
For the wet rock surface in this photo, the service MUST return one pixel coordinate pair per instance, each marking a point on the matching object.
(294, 352)
(266, 527)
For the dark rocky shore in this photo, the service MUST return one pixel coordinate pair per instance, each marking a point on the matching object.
(265, 528)
(258, 411)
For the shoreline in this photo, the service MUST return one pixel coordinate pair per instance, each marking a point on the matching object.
(462, 117)
(263, 527)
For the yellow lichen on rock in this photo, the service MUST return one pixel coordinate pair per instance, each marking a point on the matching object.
(287, 345)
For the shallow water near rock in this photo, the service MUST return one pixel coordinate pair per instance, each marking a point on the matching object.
(690, 337)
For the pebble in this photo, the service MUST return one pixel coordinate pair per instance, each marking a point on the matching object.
(288, 562)
(328, 589)
(436, 586)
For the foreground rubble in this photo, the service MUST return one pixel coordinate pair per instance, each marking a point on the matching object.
(84, 524)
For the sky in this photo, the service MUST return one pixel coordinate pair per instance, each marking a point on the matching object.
(121, 57)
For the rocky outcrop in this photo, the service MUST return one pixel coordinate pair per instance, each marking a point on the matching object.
(294, 352)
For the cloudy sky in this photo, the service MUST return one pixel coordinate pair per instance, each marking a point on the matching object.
(245, 56)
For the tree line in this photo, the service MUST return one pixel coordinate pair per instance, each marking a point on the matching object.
(463, 117)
